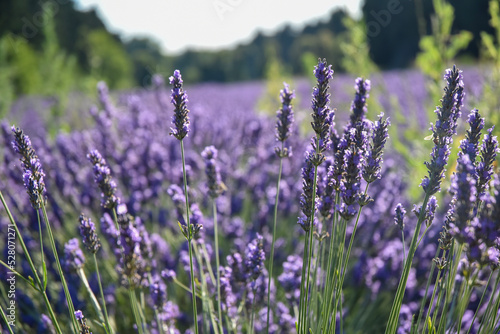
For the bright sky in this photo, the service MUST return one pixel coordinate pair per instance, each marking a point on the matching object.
(208, 24)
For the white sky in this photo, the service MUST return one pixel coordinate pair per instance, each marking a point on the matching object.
(208, 24)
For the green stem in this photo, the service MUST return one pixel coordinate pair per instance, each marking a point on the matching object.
(133, 302)
(95, 303)
(271, 258)
(189, 237)
(327, 292)
(309, 253)
(217, 264)
(480, 301)
(432, 300)
(4, 317)
(32, 266)
(108, 325)
(59, 268)
(398, 300)
(424, 298)
(302, 283)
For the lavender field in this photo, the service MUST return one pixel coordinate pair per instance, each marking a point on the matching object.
(320, 217)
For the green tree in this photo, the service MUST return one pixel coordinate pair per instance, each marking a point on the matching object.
(108, 60)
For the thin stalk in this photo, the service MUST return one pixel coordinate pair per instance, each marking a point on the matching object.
(465, 301)
(309, 253)
(207, 315)
(4, 317)
(337, 273)
(93, 299)
(454, 258)
(329, 266)
(217, 264)
(398, 300)
(302, 283)
(133, 302)
(59, 268)
(32, 266)
(424, 298)
(271, 258)
(42, 257)
(253, 310)
(108, 325)
(480, 301)
(189, 237)
(432, 300)
(404, 246)
(497, 304)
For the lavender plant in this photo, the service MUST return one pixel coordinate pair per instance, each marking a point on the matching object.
(340, 279)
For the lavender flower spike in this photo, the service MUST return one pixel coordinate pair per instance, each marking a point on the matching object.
(73, 256)
(102, 176)
(33, 174)
(374, 157)
(84, 329)
(285, 120)
(306, 198)
(320, 109)
(470, 144)
(400, 216)
(254, 258)
(484, 168)
(358, 106)
(179, 98)
(215, 188)
(443, 130)
(89, 234)
(463, 187)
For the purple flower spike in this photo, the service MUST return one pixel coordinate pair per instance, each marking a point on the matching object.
(374, 157)
(285, 120)
(102, 176)
(180, 119)
(254, 258)
(33, 174)
(321, 112)
(73, 256)
(399, 216)
(463, 187)
(306, 198)
(89, 234)
(470, 144)
(484, 168)
(444, 129)
(212, 171)
(358, 106)
(84, 329)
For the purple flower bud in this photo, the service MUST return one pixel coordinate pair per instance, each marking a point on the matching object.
(400, 216)
(321, 112)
